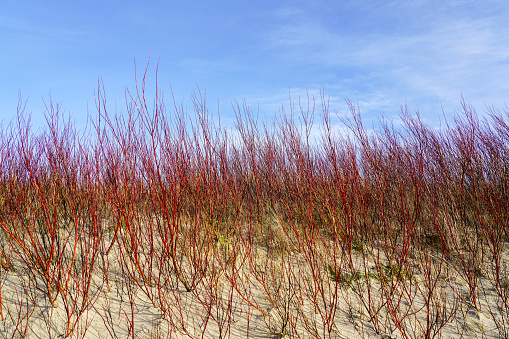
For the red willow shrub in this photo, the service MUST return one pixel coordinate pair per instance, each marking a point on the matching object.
(263, 219)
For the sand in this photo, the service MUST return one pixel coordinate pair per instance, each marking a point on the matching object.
(119, 308)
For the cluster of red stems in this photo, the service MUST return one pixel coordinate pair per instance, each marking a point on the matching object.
(261, 219)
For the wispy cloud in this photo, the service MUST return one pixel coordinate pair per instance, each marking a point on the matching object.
(210, 65)
(378, 54)
(450, 53)
(16, 25)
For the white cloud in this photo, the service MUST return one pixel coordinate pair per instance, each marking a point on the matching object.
(453, 50)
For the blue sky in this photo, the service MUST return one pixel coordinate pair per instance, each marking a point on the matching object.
(378, 54)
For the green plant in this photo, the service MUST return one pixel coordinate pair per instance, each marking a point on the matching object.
(358, 245)
(343, 278)
(389, 272)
